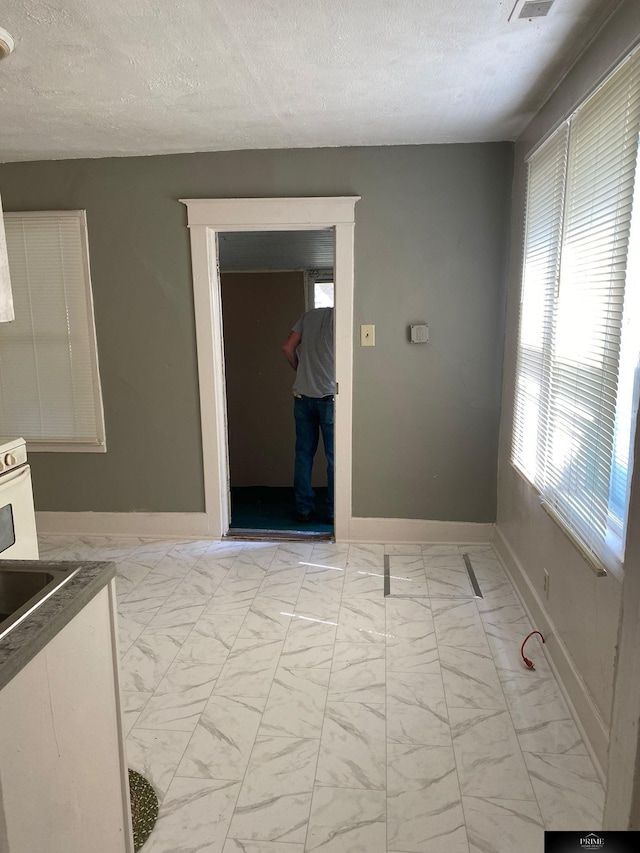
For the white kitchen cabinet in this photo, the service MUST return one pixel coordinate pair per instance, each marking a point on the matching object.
(63, 774)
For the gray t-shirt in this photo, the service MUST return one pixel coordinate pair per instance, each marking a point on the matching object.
(315, 376)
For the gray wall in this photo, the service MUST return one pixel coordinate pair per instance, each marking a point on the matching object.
(584, 608)
(430, 245)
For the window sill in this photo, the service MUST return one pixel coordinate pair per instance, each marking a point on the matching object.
(598, 569)
(591, 560)
(64, 447)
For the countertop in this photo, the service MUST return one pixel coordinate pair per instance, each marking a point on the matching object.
(25, 640)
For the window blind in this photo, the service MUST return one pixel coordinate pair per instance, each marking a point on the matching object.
(578, 224)
(546, 182)
(49, 380)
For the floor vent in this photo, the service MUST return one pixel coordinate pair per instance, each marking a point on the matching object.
(472, 576)
(477, 593)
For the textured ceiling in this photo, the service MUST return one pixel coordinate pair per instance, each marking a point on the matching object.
(93, 79)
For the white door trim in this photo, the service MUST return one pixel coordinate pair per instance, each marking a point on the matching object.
(207, 217)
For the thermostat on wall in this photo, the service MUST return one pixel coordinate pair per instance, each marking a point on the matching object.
(419, 333)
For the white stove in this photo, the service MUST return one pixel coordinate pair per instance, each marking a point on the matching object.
(18, 540)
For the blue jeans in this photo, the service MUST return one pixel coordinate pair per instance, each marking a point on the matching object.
(312, 414)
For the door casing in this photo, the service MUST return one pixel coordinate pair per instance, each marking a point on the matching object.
(206, 218)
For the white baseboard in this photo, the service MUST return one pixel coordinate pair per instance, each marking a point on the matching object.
(416, 530)
(586, 713)
(165, 525)
(162, 525)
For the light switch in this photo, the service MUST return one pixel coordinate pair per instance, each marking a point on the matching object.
(367, 336)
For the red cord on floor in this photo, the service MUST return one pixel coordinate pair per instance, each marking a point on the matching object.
(526, 660)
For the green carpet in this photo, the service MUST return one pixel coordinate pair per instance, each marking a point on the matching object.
(144, 808)
(271, 508)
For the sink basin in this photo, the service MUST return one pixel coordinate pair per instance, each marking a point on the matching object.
(22, 589)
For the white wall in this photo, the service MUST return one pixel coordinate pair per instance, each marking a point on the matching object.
(581, 615)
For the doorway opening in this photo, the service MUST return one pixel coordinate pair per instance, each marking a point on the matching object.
(207, 218)
(268, 280)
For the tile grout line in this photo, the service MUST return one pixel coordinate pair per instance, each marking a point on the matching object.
(210, 695)
(509, 713)
(173, 775)
(253, 745)
(444, 694)
(244, 775)
(326, 702)
(453, 751)
(251, 751)
(507, 708)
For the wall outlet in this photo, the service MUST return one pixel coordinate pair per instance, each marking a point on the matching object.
(419, 333)
(545, 583)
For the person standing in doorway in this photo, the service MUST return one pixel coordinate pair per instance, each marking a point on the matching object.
(309, 351)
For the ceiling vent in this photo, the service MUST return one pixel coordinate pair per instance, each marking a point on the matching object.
(531, 9)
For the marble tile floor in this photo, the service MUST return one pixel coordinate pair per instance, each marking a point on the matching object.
(280, 704)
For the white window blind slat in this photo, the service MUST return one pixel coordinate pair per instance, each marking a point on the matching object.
(574, 455)
(49, 380)
(542, 242)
